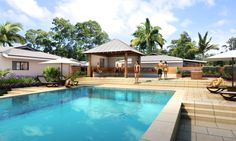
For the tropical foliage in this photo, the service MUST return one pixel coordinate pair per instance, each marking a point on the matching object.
(147, 37)
(51, 73)
(67, 40)
(9, 34)
(183, 47)
(204, 44)
(231, 44)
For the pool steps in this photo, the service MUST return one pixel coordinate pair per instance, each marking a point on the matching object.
(215, 113)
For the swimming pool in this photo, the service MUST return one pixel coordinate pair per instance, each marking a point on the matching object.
(80, 114)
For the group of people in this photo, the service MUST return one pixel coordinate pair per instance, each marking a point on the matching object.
(162, 68)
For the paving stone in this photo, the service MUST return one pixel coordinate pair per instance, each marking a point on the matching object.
(205, 123)
(204, 137)
(226, 126)
(229, 139)
(220, 132)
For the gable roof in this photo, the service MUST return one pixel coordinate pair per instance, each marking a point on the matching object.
(18, 53)
(112, 47)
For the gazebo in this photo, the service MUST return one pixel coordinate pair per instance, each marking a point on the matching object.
(107, 54)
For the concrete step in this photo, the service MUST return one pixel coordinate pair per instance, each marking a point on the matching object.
(203, 117)
(211, 112)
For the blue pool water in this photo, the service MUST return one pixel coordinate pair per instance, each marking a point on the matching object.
(80, 114)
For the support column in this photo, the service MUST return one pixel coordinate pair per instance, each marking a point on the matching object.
(89, 69)
(126, 65)
(139, 60)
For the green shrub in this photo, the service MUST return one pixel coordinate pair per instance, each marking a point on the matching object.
(2, 92)
(3, 73)
(178, 71)
(51, 73)
(227, 74)
(211, 71)
(77, 74)
(186, 73)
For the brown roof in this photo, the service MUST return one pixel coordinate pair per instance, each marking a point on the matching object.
(114, 46)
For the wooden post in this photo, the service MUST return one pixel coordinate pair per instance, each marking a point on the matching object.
(126, 65)
(89, 71)
(139, 60)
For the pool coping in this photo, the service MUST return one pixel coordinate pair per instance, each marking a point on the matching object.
(164, 127)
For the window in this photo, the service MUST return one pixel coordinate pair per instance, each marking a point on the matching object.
(17, 65)
(102, 62)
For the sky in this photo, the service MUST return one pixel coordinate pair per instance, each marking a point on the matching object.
(119, 18)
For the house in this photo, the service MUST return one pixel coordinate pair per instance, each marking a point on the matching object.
(152, 60)
(26, 61)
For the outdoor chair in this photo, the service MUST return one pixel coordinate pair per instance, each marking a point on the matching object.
(228, 95)
(43, 81)
(69, 83)
(216, 89)
(217, 85)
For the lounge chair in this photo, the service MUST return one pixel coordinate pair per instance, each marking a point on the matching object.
(43, 81)
(69, 83)
(228, 95)
(217, 85)
(216, 89)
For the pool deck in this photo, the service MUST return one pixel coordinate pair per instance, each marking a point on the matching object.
(170, 125)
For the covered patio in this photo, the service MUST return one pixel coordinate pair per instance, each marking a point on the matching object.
(109, 54)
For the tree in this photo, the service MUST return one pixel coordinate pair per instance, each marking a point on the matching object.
(40, 40)
(204, 44)
(89, 34)
(9, 34)
(67, 40)
(63, 32)
(183, 47)
(231, 44)
(146, 37)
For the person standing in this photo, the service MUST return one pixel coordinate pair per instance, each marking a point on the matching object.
(159, 69)
(136, 72)
(165, 69)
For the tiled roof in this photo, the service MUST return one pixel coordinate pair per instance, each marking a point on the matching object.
(12, 52)
(112, 46)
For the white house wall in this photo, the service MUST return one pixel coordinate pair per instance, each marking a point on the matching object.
(34, 67)
(149, 65)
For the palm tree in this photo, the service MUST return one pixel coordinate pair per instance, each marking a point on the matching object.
(8, 34)
(204, 44)
(147, 37)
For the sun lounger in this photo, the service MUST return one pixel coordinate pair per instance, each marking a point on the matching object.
(216, 89)
(228, 95)
(43, 81)
(69, 83)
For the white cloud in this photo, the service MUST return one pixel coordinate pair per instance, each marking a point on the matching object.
(29, 7)
(220, 23)
(186, 23)
(210, 2)
(233, 30)
(119, 18)
(224, 12)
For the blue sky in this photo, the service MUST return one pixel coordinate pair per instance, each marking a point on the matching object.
(119, 18)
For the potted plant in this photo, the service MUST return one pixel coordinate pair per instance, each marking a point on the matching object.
(178, 73)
